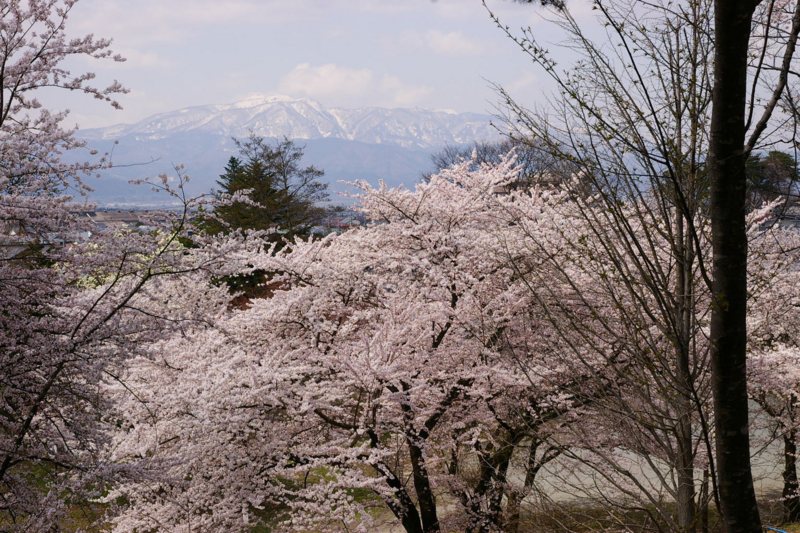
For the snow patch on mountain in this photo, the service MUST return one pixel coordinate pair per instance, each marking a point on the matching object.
(277, 116)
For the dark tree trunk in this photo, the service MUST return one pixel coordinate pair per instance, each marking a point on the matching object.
(485, 505)
(726, 168)
(499, 487)
(704, 499)
(401, 505)
(687, 514)
(422, 486)
(791, 500)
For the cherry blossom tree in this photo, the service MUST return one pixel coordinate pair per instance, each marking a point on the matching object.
(73, 310)
(393, 359)
(773, 340)
(75, 300)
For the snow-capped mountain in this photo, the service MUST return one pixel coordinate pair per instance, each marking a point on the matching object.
(277, 116)
(372, 144)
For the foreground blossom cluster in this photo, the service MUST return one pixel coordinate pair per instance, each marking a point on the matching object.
(76, 301)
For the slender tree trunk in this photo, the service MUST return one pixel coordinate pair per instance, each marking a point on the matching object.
(704, 499)
(422, 486)
(687, 513)
(515, 498)
(791, 500)
(726, 168)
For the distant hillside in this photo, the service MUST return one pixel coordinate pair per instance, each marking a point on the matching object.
(369, 143)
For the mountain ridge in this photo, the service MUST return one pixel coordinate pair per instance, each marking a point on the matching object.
(305, 119)
(370, 143)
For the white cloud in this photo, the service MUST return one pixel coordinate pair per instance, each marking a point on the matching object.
(194, 52)
(344, 86)
(525, 81)
(452, 44)
(138, 59)
(327, 80)
(403, 94)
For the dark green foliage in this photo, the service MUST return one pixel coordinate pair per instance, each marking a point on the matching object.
(770, 177)
(282, 194)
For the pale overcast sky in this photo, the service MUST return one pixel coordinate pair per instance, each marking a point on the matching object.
(438, 54)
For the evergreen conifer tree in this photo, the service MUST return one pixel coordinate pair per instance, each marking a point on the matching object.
(283, 195)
